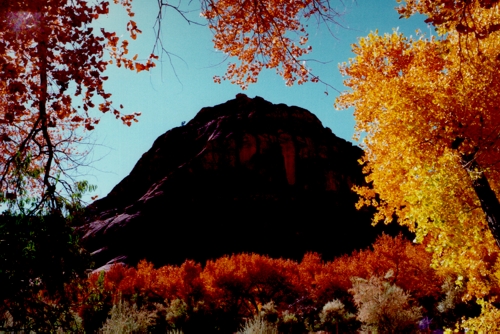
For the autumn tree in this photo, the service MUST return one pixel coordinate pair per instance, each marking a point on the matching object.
(426, 110)
(51, 65)
(51, 69)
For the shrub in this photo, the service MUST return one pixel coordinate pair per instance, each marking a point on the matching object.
(236, 286)
(176, 314)
(39, 255)
(142, 286)
(384, 307)
(126, 318)
(175, 331)
(258, 325)
(269, 312)
(244, 281)
(334, 318)
(409, 262)
(290, 323)
(310, 295)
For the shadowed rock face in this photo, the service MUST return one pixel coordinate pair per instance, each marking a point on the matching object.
(243, 176)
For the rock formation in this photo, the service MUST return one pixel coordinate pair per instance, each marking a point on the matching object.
(243, 176)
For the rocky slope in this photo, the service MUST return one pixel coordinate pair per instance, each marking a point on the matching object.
(243, 176)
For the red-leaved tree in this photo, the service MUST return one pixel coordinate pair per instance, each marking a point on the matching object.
(52, 69)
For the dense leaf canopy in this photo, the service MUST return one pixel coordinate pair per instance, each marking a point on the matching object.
(258, 34)
(427, 110)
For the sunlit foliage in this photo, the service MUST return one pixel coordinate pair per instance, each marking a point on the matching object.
(426, 111)
(232, 288)
(265, 34)
(410, 265)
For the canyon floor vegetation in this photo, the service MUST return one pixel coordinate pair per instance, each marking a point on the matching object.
(388, 288)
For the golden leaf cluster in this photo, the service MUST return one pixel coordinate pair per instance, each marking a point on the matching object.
(427, 113)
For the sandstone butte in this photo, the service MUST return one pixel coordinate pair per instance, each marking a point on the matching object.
(243, 176)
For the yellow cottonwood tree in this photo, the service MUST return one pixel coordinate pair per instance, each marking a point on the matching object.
(427, 111)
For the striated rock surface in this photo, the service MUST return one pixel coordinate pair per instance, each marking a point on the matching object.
(243, 176)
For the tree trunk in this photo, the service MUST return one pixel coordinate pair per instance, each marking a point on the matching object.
(487, 197)
(49, 192)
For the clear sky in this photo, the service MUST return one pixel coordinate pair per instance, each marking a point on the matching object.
(181, 85)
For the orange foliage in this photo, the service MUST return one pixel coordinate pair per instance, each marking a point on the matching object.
(409, 262)
(240, 285)
(247, 281)
(258, 34)
(477, 17)
(165, 283)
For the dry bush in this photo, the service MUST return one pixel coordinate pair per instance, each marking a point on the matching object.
(335, 318)
(126, 318)
(258, 325)
(384, 307)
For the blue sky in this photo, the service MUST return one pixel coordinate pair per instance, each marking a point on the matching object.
(179, 86)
